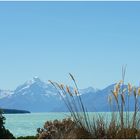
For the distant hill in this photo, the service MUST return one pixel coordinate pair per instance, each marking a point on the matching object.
(37, 96)
(13, 111)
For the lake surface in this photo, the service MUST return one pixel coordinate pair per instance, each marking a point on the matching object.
(27, 124)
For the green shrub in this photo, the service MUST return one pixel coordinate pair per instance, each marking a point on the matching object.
(4, 133)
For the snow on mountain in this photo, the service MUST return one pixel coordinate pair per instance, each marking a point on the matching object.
(5, 93)
(34, 87)
(88, 90)
(34, 95)
(37, 96)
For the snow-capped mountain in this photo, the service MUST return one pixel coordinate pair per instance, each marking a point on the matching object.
(88, 90)
(5, 93)
(34, 95)
(38, 96)
(34, 87)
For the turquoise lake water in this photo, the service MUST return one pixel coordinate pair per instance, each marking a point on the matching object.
(27, 124)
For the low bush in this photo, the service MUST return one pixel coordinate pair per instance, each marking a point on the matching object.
(4, 133)
(123, 124)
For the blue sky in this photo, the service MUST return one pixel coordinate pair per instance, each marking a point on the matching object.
(92, 40)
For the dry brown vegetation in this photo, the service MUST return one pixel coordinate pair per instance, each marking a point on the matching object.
(123, 124)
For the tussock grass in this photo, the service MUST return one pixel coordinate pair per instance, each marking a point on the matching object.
(123, 123)
(74, 103)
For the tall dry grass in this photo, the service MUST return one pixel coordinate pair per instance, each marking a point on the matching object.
(123, 123)
(74, 104)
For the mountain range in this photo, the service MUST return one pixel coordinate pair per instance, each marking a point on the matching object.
(38, 96)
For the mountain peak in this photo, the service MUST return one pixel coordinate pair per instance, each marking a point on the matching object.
(88, 90)
(36, 79)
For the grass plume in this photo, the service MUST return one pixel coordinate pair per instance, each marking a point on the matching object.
(123, 122)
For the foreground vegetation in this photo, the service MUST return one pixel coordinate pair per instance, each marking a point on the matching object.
(4, 133)
(123, 124)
